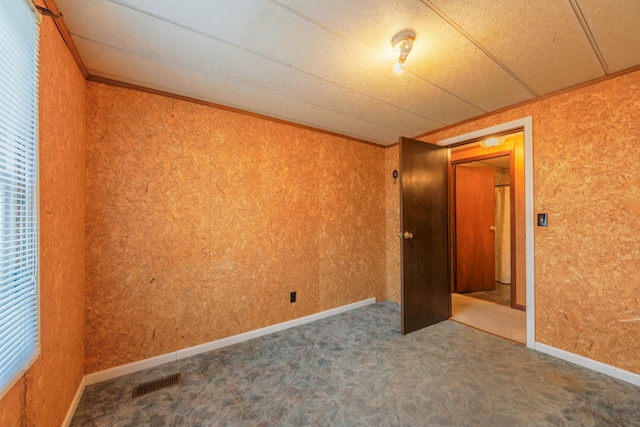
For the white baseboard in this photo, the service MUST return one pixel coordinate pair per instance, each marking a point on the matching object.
(129, 368)
(213, 345)
(74, 403)
(585, 362)
(119, 371)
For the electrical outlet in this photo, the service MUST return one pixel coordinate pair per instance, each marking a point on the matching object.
(292, 297)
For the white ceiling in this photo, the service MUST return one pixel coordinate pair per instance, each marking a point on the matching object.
(496, 162)
(328, 64)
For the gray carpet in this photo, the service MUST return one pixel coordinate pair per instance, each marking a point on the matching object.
(355, 369)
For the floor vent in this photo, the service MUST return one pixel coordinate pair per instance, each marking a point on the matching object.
(152, 386)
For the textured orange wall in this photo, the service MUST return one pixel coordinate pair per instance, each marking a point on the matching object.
(392, 191)
(52, 381)
(352, 222)
(586, 177)
(12, 405)
(201, 221)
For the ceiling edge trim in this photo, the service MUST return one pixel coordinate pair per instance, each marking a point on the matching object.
(111, 82)
(64, 33)
(533, 101)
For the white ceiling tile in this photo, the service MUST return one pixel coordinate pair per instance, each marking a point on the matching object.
(328, 64)
(193, 50)
(126, 67)
(541, 41)
(441, 55)
(615, 25)
(312, 50)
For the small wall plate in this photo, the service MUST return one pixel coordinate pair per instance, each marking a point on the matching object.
(542, 219)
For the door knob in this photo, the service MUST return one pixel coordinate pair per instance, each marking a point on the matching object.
(407, 235)
(492, 228)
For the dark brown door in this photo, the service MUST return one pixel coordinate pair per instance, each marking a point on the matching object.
(475, 231)
(426, 297)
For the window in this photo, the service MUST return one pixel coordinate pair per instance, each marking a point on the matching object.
(19, 342)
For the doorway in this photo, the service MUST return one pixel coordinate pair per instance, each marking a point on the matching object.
(524, 155)
(411, 278)
(509, 155)
(486, 198)
(483, 216)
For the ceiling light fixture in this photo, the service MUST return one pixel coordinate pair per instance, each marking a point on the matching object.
(402, 44)
(493, 141)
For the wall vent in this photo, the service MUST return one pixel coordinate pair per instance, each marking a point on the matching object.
(156, 385)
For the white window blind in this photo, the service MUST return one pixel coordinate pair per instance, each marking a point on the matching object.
(19, 341)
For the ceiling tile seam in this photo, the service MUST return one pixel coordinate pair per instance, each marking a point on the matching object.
(334, 83)
(587, 31)
(484, 50)
(373, 51)
(446, 91)
(241, 83)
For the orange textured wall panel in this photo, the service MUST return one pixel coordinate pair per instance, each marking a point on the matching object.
(12, 405)
(201, 221)
(264, 219)
(352, 222)
(52, 381)
(586, 178)
(147, 224)
(392, 197)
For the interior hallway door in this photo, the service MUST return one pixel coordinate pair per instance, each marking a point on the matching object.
(475, 229)
(424, 252)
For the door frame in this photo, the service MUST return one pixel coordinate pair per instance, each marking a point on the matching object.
(525, 125)
(512, 216)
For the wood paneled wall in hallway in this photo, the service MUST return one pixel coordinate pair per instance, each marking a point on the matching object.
(201, 221)
(515, 144)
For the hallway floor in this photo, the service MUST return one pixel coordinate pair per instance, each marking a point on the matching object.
(501, 294)
(356, 369)
(496, 319)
